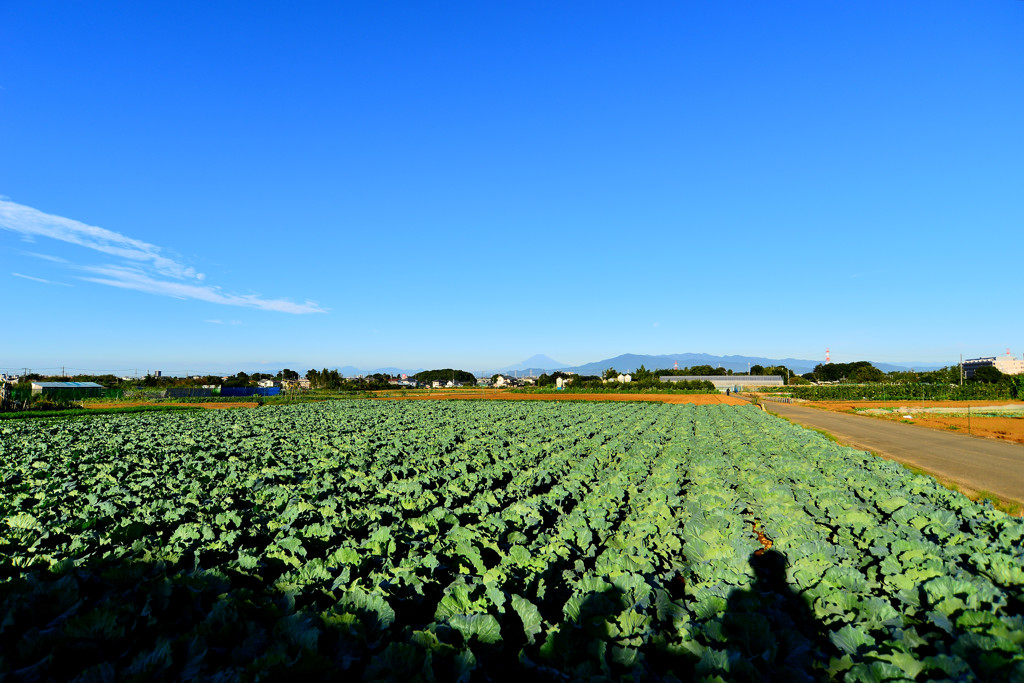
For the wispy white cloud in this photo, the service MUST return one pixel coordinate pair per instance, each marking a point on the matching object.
(144, 267)
(216, 322)
(30, 222)
(45, 257)
(131, 278)
(39, 279)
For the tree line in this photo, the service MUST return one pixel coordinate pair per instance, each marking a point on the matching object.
(863, 372)
(640, 379)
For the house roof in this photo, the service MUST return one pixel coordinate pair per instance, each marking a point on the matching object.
(68, 385)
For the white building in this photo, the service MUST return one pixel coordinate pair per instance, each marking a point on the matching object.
(734, 382)
(1008, 365)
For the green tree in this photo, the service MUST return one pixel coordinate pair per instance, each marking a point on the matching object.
(240, 379)
(867, 373)
(988, 375)
(780, 370)
(610, 373)
(445, 375)
(834, 372)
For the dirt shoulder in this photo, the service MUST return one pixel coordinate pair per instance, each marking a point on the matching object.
(975, 465)
(1002, 420)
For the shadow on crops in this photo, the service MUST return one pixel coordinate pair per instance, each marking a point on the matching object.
(131, 620)
(769, 631)
(764, 633)
(589, 644)
(121, 619)
(124, 619)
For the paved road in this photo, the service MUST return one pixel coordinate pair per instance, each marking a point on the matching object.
(971, 462)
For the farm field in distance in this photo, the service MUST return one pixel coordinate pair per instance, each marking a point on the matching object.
(461, 394)
(505, 395)
(993, 419)
(100, 404)
(467, 540)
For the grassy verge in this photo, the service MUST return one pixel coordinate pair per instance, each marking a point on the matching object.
(825, 434)
(1010, 507)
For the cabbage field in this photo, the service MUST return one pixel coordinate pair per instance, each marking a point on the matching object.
(473, 541)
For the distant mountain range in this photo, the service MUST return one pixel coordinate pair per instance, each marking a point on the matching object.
(352, 371)
(537, 361)
(629, 362)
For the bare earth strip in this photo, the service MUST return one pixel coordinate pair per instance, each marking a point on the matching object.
(499, 395)
(974, 464)
(209, 406)
(1000, 420)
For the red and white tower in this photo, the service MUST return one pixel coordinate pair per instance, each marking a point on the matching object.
(677, 365)
(827, 359)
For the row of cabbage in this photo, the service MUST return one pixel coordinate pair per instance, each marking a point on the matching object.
(464, 541)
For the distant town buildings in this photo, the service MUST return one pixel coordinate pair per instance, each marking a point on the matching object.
(502, 381)
(1008, 365)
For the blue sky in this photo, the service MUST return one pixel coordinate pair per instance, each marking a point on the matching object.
(255, 185)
